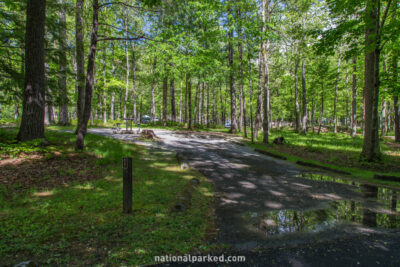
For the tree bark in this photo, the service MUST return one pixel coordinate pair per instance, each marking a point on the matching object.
(265, 13)
(32, 122)
(258, 121)
(396, 118)
(296, 96)
(234, 126)
(153, 102)
(104, 92)
(303, 82)
(173, 108)
(371, 150)
(134, 93)
(189, 92)
(165, 99)
(82, 128)
(127, 65)
(321, 111)
(180, 102)
(80, 60)
(62, 81)
(354, 99)
(336, 95)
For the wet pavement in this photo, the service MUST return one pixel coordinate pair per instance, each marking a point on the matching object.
(264, 204)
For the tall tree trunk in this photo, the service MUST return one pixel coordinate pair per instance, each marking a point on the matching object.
(180, 102)
(103, 92)
(395, 71)
(384, 118)
(321, 111)
(234, 126)
(32, 122)
(134, 93)
(336, 95)
(173, 108)
(214, 108)
(396, 118)
(296, 96)
(127, 65)
(153, 102)
(265, 13)
(80, 60)
(82, 128)
(222, 105)
(208, 106)
(62, 80)
(189, 92)
(165, 99)
(186, 102)
(303, 82)
(354, 99)
(371, 150)
(258, 121)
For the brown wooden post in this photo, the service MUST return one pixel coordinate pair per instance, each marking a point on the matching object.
(127, 184)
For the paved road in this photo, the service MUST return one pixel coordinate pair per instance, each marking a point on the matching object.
(264, 204)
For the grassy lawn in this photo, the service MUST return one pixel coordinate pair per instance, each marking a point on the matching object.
(339, 151)
(71, 212)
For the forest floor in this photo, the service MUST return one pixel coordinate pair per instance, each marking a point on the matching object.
(277, 213)
(61, 207)
(271, 211)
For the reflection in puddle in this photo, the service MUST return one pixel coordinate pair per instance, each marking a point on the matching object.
(379, 207)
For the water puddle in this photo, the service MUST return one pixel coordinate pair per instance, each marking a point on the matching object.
(377, 207)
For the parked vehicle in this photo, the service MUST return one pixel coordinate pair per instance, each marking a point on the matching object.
(228, 124)
(145, 119)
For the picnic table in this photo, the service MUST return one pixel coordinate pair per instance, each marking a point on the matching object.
(129, 124)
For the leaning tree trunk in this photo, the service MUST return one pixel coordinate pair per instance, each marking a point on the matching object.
(62, 81)
(32, 122)
(354, 100)
(371, 150)
(82, 127)
(303, 82)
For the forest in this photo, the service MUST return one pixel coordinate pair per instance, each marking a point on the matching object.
(314, 82)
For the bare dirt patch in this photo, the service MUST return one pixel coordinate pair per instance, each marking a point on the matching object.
(47, 170)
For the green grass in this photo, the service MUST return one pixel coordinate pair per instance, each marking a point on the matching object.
(82, 223)
(338, 151)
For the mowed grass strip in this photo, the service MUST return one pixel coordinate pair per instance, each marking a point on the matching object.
(339, 151)
(81, 222)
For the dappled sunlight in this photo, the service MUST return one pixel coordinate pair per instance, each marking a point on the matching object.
(43, 194)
